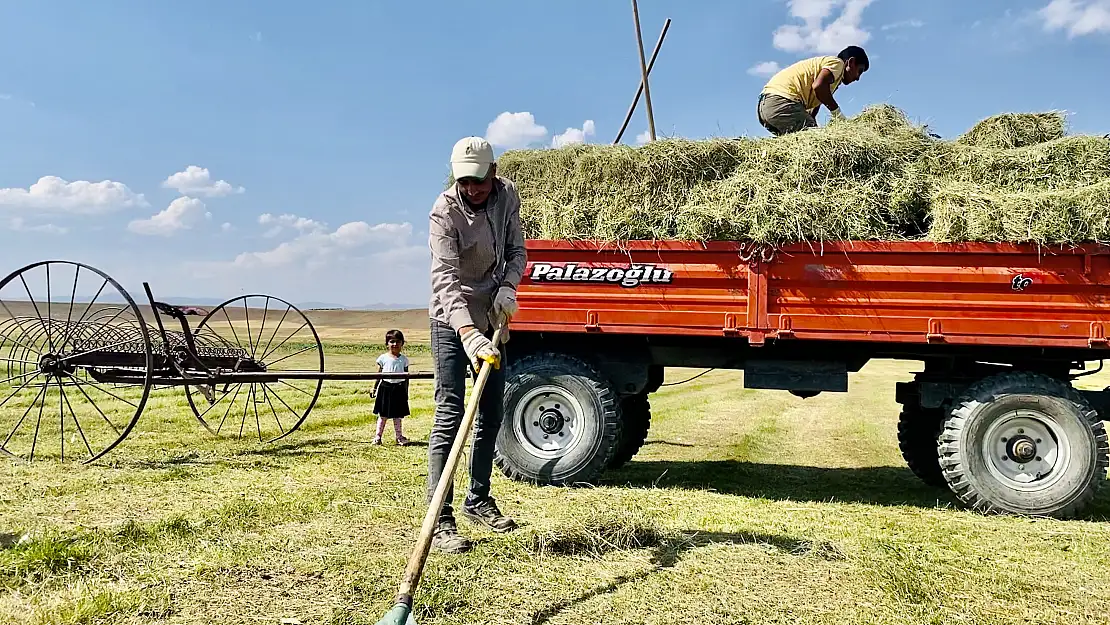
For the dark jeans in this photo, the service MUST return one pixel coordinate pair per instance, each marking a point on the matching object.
(451, 367)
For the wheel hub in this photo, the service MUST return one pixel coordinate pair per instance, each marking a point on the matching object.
(1027, 450)
(53, 365)
(1022, 449)
(552, 422)
(548, 421)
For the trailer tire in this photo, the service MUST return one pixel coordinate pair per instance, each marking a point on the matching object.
(1009, 426)
(635, 423)
(573, 405)
(918, 432)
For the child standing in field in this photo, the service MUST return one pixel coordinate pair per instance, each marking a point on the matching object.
(391, 397)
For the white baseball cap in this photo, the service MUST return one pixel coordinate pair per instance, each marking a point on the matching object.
(471, 158)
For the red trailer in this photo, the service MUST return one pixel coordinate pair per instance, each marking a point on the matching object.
(1001, 331)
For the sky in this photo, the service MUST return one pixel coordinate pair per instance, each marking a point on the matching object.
(217, 148)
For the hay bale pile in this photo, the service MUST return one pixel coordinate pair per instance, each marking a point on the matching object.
(1013, 177)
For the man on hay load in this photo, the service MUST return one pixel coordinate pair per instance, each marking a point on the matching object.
(790, 100)
(478, 260)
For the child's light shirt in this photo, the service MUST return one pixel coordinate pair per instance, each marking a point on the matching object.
(391, 364)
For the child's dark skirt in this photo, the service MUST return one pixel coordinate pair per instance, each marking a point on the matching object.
(392, 401)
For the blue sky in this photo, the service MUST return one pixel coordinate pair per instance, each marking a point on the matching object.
(215, 148)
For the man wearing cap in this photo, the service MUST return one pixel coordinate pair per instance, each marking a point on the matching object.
(478, 260)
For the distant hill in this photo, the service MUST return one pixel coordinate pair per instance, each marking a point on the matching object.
(212, 302)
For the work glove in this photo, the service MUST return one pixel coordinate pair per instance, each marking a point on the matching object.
(835, 114)
(504, 307)
(504, 304)
(479, 348)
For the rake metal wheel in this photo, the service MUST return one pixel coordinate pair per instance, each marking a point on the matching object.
(280, 338)
(52, 349)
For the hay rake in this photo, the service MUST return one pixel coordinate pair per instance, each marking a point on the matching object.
(76, 373)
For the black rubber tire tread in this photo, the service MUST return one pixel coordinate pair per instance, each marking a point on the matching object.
(918, 432)
(1018, 383)
(635, 423)
(561, 364)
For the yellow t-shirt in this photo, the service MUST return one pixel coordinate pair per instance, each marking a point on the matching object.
(796, 82)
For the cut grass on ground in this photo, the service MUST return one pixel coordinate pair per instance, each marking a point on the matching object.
(743, 507)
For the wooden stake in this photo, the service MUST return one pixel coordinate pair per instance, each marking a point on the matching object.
(643, 69)
(640, 88)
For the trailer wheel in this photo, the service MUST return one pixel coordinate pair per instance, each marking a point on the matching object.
(635, 423)
(918, 431)
(562, 421)
(1025, 444)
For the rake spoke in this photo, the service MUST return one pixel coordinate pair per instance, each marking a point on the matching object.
(229, 407)
(88, 307)
(72, 300)
(257, 423)
(16, 377)
(16, 391)
(263, 358)
(278, 420)
(278, 395)
(214, 404)
(266, 349)
(35, 440)
(232, 326)
(247, 318)
(295, 388)
(18, 324)
(310, 347)
(25, 413)
(36, 305)
(246, 404)
(94, 404)
(76, 421)
(265, 310)
(107, 392)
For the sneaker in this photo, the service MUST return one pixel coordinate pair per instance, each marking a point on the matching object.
(402, 441)
(448, 539)
(377, 441)
(487, 513)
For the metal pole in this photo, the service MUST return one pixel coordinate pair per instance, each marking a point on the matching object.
(640, 88)
(643, 69)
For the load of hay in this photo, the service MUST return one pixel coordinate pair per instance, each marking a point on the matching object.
(1011, 178)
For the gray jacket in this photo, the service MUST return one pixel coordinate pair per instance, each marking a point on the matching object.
(474, 253)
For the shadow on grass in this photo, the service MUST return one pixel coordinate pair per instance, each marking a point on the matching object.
(884, 486)
(881, 486)
(669, 552)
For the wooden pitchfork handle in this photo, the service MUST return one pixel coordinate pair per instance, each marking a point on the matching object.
(424, 542)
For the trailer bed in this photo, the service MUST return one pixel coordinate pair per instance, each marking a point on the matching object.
(896, 292)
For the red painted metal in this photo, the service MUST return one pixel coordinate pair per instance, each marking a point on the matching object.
(905, 292)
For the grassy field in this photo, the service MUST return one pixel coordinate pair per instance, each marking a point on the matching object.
(744, 507)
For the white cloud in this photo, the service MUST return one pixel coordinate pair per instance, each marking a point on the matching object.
(198, 181)
(574, 135)
(814, 35)
(320, 245)
(19, 224)
(766, 68)
(514, 130)
(182, 214)
(356, 263)
(226, 227)
(281, 222)
(643, 138)
(81, 197)
(1077, 17)
(903, 24)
